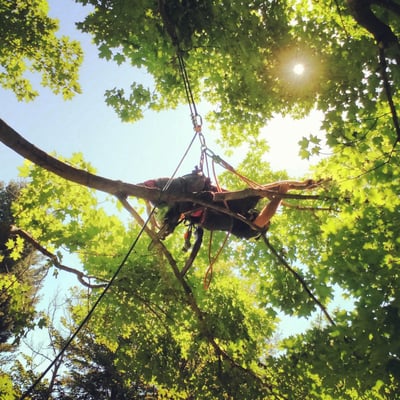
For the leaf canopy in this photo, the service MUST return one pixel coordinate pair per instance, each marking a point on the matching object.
(166, 330)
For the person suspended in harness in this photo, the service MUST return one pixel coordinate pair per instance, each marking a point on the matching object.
(209, 218)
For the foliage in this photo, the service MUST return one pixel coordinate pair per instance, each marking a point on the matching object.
(354, 246)
(23, 374)
(205, 31)
(168, 331)
(6, 389)
(29, 44)
(147, 321)
(20, 275)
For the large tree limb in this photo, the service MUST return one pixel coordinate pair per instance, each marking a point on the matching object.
(20, 145)
(363, 14)
(23, 147)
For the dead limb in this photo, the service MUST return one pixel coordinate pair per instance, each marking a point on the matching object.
(82, 278)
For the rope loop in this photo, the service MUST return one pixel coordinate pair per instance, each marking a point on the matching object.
(197, 121)
(203, 143)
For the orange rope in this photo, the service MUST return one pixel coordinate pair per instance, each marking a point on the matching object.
(209, 273)
(229, 167)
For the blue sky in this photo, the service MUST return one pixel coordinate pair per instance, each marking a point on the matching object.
(130, 152)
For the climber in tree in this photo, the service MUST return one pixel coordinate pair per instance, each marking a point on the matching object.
(214, 220)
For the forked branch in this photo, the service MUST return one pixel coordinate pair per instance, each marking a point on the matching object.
(82, 278)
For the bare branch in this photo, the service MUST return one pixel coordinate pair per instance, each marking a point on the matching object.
(54, 259)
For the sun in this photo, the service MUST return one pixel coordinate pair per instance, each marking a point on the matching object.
(298, 69)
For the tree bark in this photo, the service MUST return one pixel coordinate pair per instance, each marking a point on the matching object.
(363, 14)
(120, 189)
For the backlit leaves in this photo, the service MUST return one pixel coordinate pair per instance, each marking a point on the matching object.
(345, 244)
(29, 45)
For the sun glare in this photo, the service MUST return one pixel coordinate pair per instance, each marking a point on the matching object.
(298, 69)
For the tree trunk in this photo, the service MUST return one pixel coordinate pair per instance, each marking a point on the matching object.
(362, 13)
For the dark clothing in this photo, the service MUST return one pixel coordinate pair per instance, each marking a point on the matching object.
(213, 220)
(204, 217)
(190, 183)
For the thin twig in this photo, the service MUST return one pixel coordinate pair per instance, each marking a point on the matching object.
(54, 259)
(298, 277)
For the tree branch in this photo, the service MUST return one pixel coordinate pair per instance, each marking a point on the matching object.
(20, 145)
(54, 259)
(389, 5)
(298, 277)
(190, 299)
(362, 13)
(250, 192)
(120, 189)
(169, 26)
(388, 92)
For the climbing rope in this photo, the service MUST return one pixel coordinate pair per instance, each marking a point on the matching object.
(212, 260)
(197, 123)
(188, 90)
(89, 314)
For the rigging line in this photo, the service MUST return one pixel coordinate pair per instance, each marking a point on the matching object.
(91, 311)
(188, 89)
(171, 30)
(103, 293)
(167, 185)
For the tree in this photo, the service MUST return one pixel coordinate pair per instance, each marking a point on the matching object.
(29, 44)
(21, 275)
(219, 343)
(93, 371)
